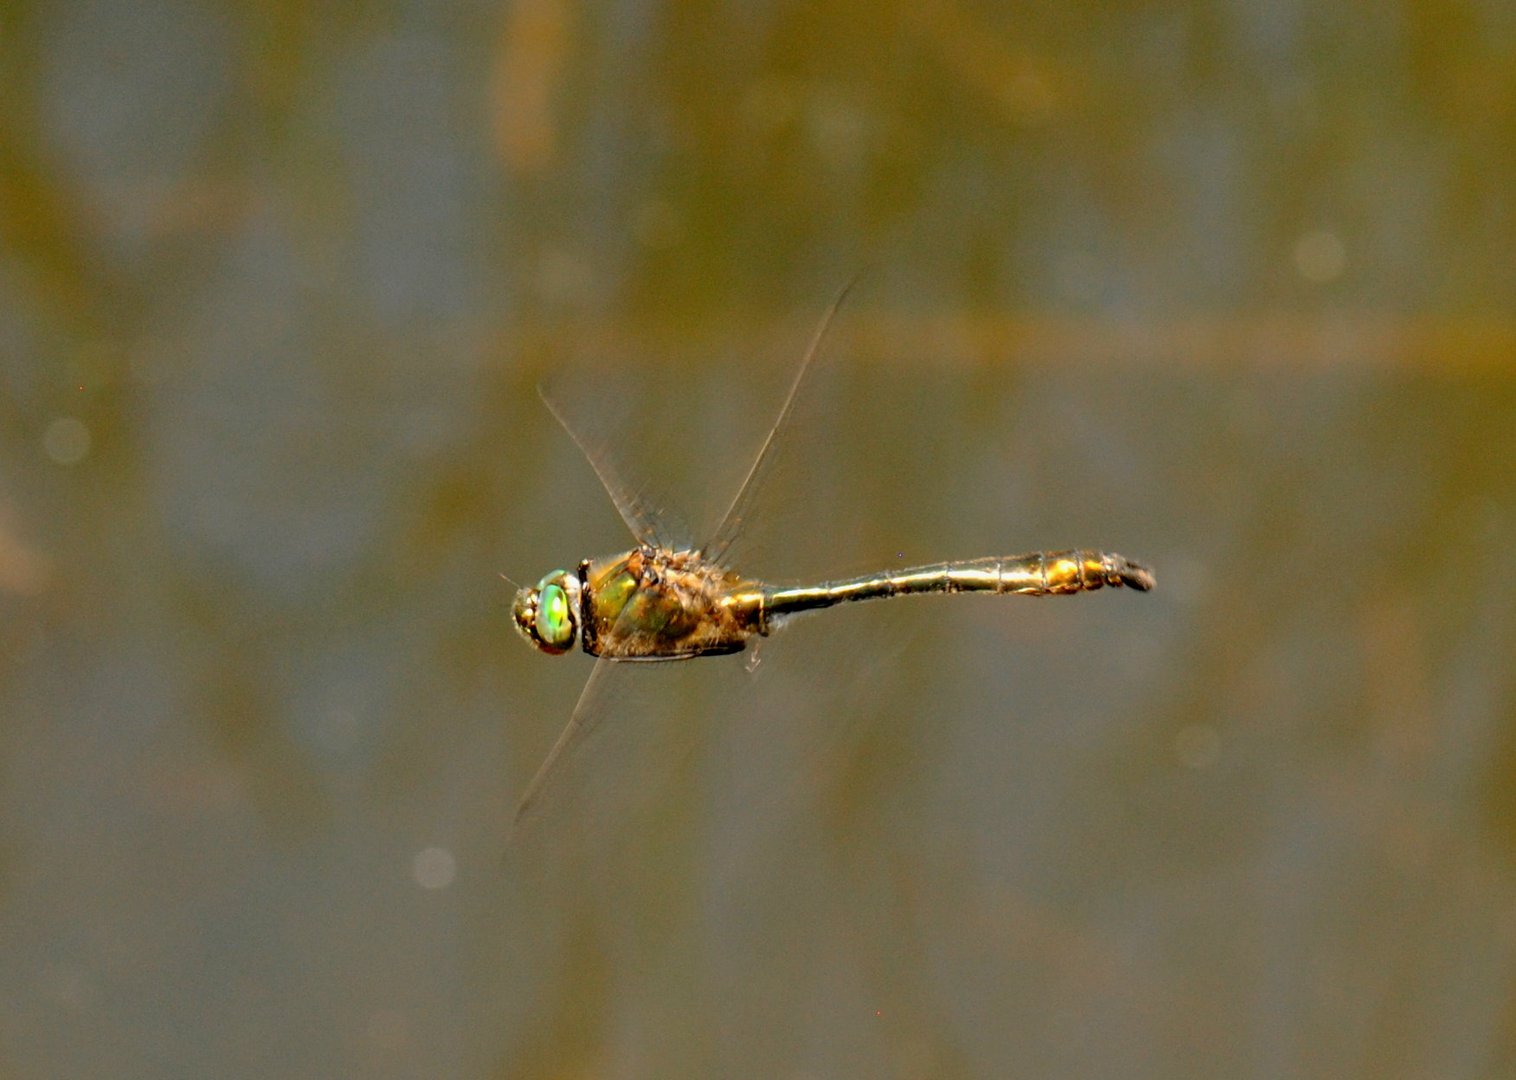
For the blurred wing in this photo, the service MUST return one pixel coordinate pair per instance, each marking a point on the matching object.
(639, 517)
(731, 523)
(603, 690)
(588, 711)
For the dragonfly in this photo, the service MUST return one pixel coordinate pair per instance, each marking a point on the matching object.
(659, 602)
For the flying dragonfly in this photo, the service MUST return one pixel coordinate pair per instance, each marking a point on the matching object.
(659, 602)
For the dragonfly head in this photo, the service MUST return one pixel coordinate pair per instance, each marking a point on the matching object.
(547, 613)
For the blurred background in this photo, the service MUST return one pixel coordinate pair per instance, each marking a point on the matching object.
(1226, 287)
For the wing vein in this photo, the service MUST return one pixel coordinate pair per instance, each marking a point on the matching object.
(732, 521)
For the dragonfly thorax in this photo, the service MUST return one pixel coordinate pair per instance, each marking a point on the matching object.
(547, 614)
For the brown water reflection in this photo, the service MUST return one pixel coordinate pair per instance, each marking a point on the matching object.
(1225, 287)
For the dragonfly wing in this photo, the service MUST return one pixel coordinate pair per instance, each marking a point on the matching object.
(732, 521)
(587, 712)
(639, 517)
(603, 694)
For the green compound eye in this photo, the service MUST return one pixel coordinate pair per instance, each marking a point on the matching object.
(555, 626)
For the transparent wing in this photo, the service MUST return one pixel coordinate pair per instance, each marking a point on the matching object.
(647, 524)
(588, 711)
(606, 695)
(735, 517)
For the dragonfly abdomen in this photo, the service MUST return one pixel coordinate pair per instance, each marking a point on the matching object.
(1040, 573)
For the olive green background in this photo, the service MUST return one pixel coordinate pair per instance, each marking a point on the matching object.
(1226, 287)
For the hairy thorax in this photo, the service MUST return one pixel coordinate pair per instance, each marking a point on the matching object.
(651, 604)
